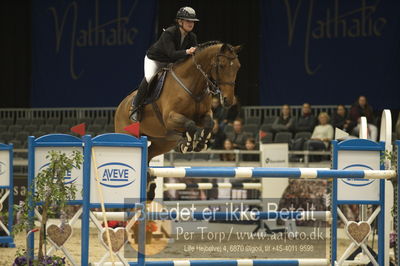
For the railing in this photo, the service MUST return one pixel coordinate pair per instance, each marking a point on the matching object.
(79, 113)
(268, 111)
(108, 112)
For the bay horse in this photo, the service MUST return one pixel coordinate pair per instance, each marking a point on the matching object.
(182, 116)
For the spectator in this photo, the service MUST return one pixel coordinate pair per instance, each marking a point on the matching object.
(341, 119)
(307, 121)
(234, 112)
(251, 146)
(217, 137)
(228, 145)
(217, 109)
(322, 134)
(359, 109)
(237, 137)
(284, 122)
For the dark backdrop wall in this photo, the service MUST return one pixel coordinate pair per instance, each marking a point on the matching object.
(15, 47)
(323, 52)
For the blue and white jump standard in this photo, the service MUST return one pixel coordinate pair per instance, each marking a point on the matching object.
(358, 162)
(38, 149)
(7, 184)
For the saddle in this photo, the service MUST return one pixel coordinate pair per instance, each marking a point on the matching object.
(155, 86)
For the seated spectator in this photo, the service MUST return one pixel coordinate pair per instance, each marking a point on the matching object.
(217, 109)
(359, 109)
(284, 122)
(228, 145)
(307, 121)
(251, 146)
(340, 119)
(217, 137)
(322, 134)
(238, 137)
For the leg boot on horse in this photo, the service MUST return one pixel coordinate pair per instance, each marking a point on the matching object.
(137, 102)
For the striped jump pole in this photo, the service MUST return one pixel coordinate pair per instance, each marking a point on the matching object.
(207, 186)
(260, 172)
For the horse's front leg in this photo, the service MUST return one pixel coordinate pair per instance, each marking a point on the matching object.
(205, 135)
(179, 122)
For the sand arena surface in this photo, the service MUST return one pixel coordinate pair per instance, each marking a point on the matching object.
(171, 251)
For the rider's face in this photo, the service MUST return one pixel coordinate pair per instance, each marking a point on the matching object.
(187, 25)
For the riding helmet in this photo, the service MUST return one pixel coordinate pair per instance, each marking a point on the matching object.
(186, 13)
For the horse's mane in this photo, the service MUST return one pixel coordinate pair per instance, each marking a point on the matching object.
(204, 45)
(200, 47)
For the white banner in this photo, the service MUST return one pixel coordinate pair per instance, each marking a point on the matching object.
(358, 189)
(4, 168)
(274, 155)
(75, 176)
(158, 161)
(119, 172)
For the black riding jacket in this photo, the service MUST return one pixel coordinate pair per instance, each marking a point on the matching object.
(168, 48)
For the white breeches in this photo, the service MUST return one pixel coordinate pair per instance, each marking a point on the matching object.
(151, 67)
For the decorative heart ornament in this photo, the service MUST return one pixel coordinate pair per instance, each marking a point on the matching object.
(358, 232)
(59, 235)
(118, 237)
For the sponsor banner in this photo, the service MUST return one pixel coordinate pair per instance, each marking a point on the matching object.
(4, 168)
(89, 49)
(274, 155)
(358, 189)
(75, 176)
(330, 52)
(158, 161)
(119, 172)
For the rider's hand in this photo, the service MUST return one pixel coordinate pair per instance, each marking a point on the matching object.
(191, 50)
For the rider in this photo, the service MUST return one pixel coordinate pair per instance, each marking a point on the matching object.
(176, 42)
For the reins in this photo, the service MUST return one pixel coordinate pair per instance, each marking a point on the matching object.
(212, 85)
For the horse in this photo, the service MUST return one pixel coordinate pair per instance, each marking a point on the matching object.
(181, 117)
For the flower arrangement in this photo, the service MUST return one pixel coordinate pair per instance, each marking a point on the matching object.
(151, 226)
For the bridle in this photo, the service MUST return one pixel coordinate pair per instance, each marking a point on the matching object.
(213, 85)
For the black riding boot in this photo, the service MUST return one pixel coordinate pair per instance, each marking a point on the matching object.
(137, 102)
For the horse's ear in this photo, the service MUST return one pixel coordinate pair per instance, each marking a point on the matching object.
(224, 48)
(237, 48)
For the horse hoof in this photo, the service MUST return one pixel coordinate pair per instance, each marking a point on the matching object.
(188, 137)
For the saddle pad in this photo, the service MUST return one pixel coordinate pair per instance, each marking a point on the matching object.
(155, 86)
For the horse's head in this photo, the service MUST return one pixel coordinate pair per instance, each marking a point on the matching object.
(225, 66)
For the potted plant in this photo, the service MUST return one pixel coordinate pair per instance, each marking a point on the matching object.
(52, 192)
